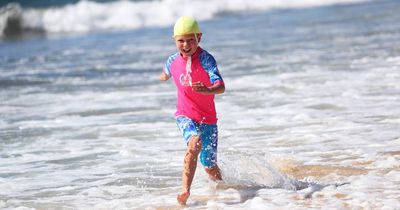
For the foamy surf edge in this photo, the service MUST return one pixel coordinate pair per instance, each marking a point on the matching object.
(89, 16)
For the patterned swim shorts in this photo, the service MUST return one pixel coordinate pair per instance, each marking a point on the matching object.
(209, 138)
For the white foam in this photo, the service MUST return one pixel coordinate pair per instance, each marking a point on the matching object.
(389, 162)
(86, 16)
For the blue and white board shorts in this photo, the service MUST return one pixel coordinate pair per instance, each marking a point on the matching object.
(209, 138)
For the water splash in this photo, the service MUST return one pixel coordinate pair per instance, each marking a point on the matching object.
(248, 170)
(251, 172)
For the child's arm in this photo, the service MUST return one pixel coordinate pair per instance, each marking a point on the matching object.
(216, 88)
(164, 76)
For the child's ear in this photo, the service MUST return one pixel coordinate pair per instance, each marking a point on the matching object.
(199, 37)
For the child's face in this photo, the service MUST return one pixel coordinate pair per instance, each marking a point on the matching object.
(187, 44)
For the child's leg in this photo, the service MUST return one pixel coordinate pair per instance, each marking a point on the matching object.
(214, 173)
(189, 168)
(208, 155)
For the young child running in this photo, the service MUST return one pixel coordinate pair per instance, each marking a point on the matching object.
(197, 80)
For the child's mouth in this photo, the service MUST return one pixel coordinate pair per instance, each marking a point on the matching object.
(186, 50)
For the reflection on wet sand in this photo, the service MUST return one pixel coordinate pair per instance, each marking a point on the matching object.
(392, 153)
(300, 171)
(303, 171)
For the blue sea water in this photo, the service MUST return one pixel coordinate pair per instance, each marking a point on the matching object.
(49, 3)
(312, 99)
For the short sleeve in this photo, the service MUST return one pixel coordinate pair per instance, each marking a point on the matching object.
(167, 65)
(210, 66)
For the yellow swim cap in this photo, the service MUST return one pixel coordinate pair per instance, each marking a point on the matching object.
(186, 25)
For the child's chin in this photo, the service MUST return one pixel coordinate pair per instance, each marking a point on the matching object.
(187, 54)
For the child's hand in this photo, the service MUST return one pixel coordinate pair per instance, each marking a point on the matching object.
(200, 87)
(216, 88)
(164, 76)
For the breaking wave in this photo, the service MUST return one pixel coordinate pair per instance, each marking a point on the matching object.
(88, 16)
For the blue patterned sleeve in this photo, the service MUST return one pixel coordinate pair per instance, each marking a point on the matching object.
(210, 65)
(167, 65)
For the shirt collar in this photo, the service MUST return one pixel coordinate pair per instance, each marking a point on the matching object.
(195, 55)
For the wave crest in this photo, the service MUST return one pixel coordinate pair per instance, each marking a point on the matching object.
(86, 16)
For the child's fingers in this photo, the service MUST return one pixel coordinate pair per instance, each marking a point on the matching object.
(198, 84)
(201, 88)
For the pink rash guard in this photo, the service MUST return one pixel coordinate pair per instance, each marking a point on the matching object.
(194, 105)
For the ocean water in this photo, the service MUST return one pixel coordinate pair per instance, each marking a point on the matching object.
(310, 118)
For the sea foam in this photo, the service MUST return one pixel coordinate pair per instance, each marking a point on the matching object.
(89, 16)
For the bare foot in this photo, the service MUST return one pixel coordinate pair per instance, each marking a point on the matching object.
(182, 198)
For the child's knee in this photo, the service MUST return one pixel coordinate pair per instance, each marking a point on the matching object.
(194, 145)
